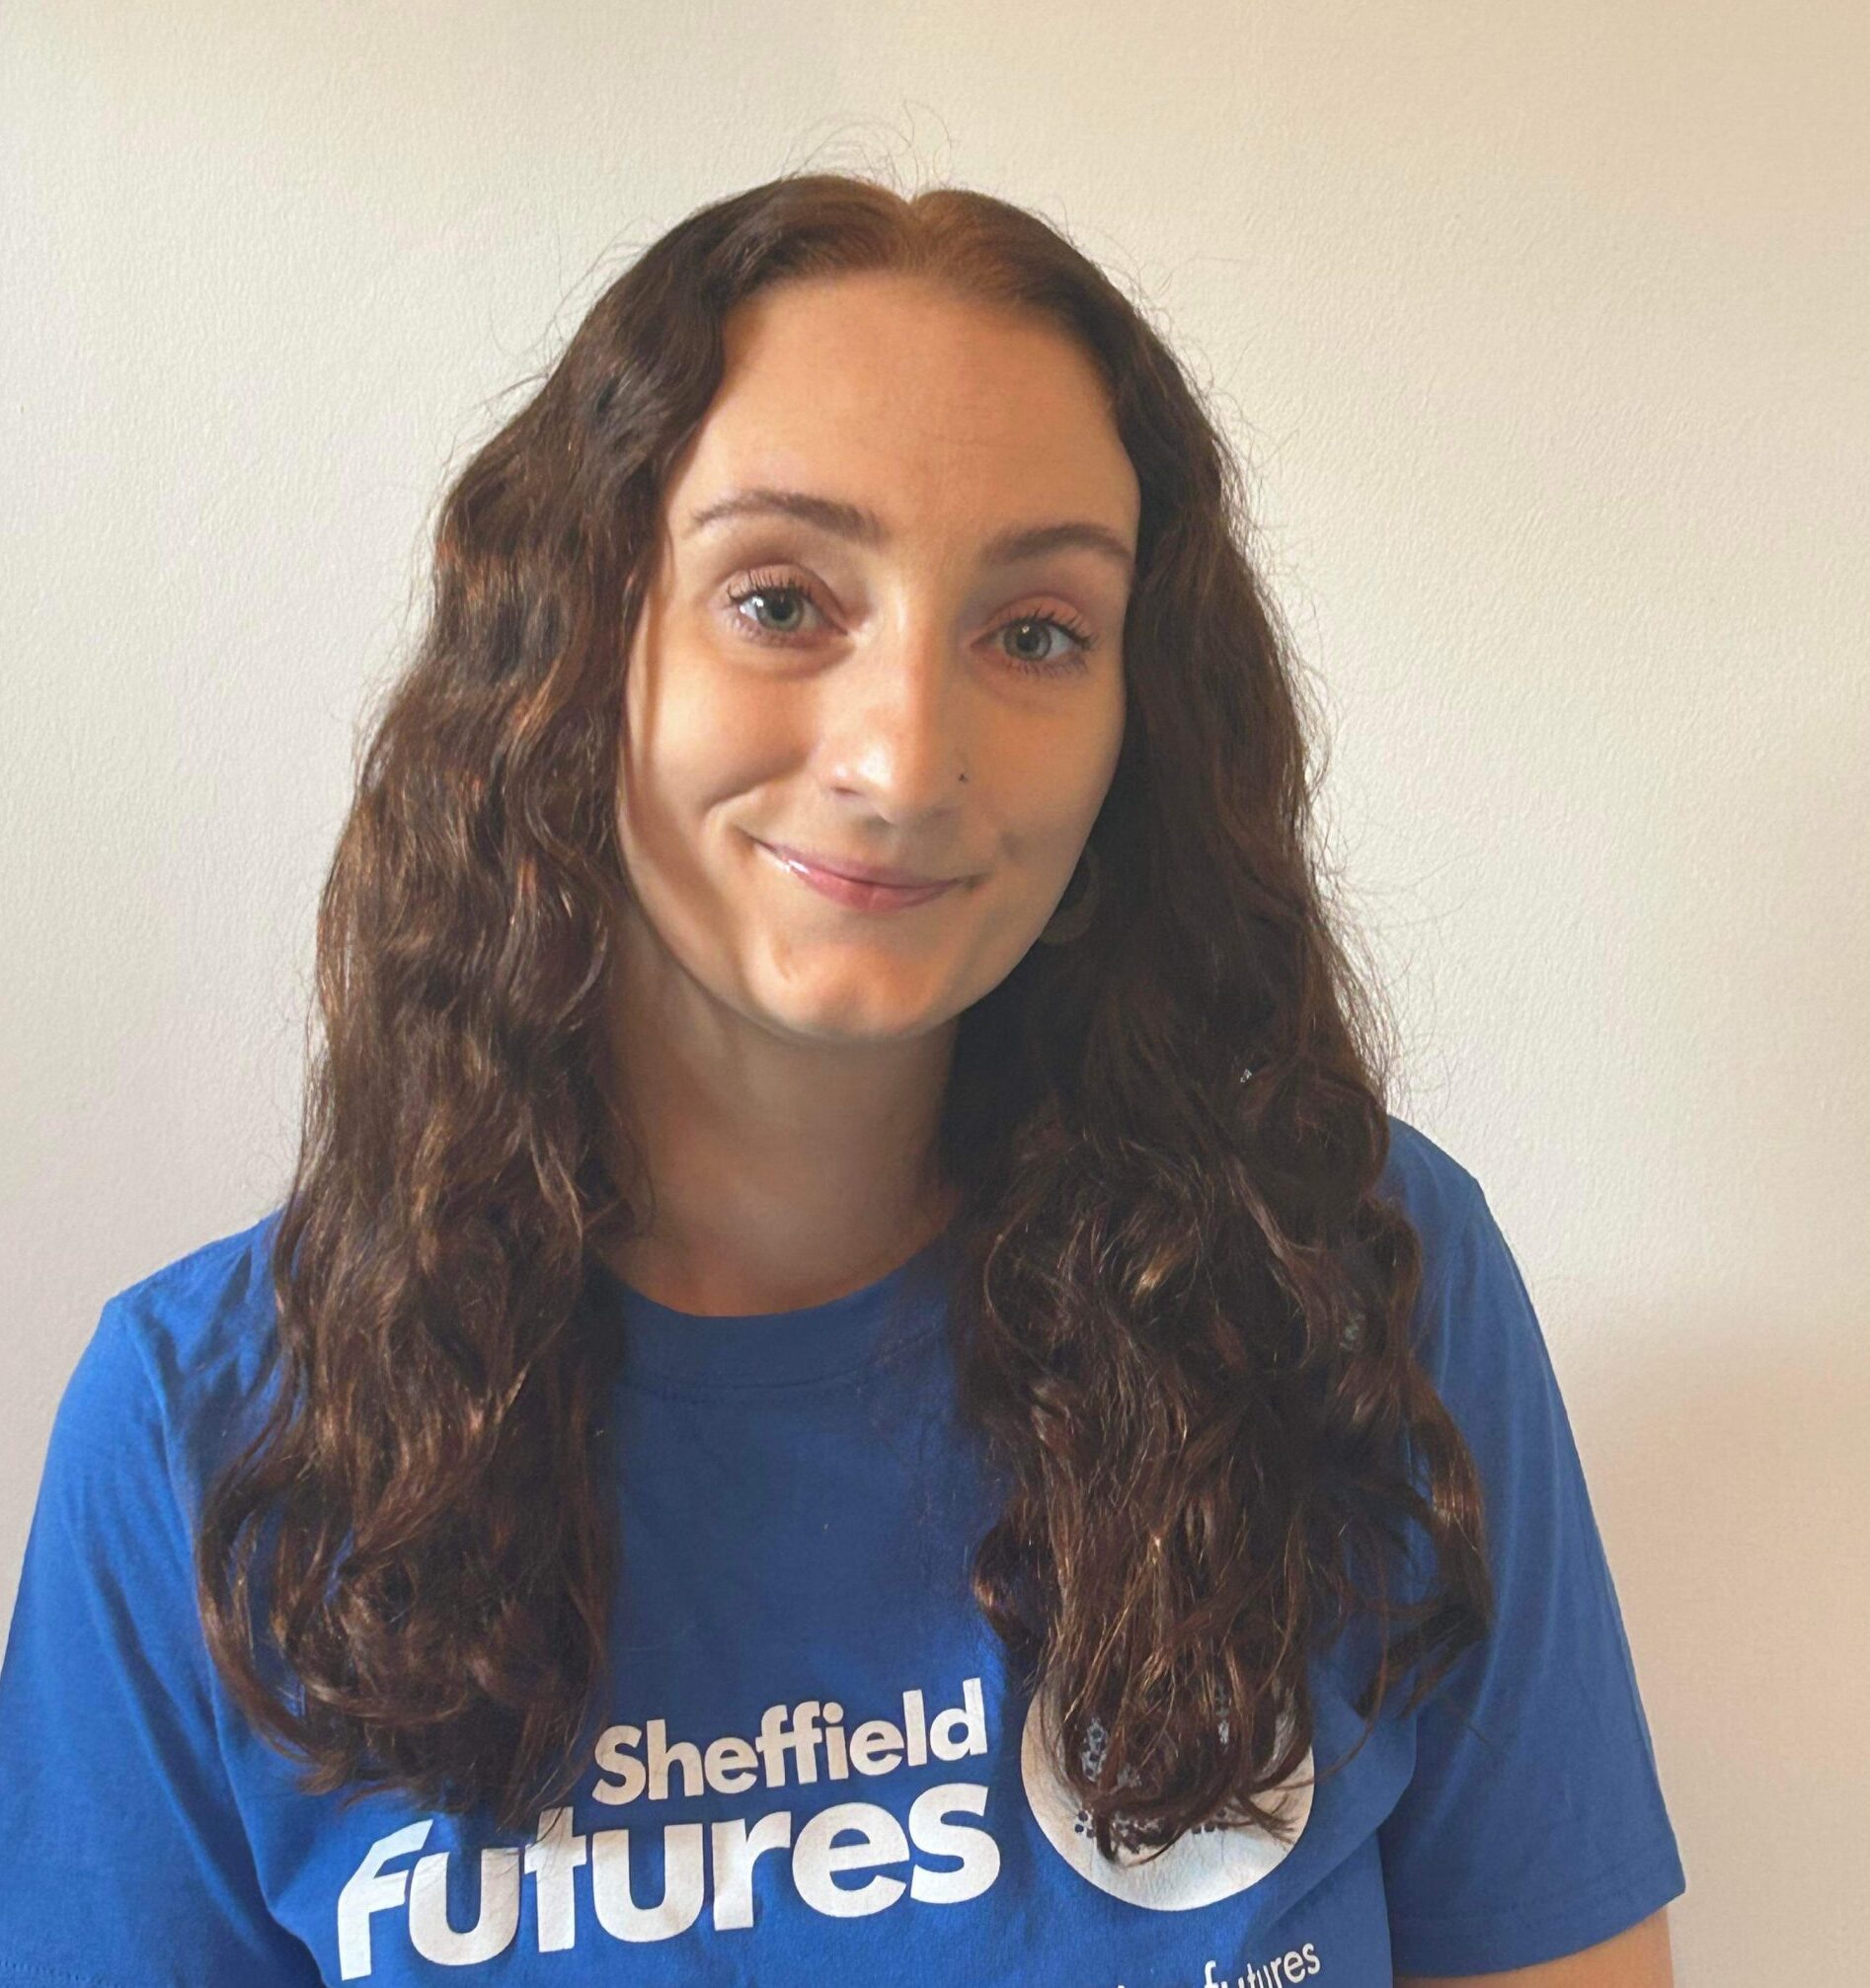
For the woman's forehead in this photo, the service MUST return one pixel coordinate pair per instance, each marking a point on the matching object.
(832, 346)
(881, 411)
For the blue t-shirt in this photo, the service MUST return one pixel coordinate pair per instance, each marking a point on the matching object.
(814, 1767)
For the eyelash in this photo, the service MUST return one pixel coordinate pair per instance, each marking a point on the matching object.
(759, 584)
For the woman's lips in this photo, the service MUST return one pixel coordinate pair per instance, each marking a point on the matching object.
(858, 896)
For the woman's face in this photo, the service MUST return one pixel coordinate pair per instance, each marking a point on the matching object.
(817, 676)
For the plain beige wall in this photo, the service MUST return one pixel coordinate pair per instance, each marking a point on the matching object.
(1542, 329)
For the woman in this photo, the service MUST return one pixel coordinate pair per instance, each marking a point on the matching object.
(854, 1380)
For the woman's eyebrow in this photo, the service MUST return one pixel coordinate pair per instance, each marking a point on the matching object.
(865, 528)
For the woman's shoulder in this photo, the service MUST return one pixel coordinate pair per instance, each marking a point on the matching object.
(1432, 1188)
(208, 1305)
(1474, 1323)
(179, 1361)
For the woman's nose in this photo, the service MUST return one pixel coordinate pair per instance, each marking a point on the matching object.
(896, 717)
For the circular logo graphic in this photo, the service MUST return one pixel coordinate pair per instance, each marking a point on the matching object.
(1203, 1866)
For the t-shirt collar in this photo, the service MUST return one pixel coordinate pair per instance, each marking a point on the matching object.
(846, 1335)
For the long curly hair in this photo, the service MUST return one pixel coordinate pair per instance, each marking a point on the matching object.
(1181, 1310)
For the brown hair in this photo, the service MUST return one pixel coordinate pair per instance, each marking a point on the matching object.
(1181, 1311)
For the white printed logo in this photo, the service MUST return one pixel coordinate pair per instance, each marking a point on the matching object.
(1207, 1864)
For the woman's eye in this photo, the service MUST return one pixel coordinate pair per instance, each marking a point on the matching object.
(769, 590)
(1078, 641)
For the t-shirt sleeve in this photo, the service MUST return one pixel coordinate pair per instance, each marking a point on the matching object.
(1535, 1824)
(127, 1862)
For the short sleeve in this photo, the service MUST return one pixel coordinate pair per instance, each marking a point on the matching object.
(126, 1864)
(1535, 1823)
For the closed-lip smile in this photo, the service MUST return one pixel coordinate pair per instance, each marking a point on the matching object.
(858, 873)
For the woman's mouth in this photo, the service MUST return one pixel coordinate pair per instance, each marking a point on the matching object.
(857, 893)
